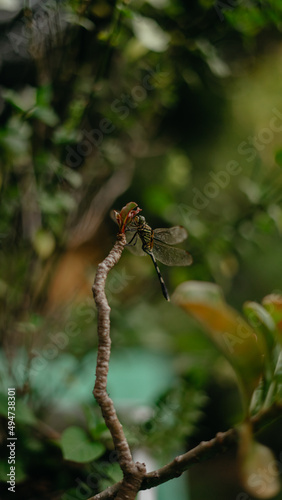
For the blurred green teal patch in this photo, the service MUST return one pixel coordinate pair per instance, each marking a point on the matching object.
(137, 377)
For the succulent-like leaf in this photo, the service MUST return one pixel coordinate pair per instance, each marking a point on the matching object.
(125, 216)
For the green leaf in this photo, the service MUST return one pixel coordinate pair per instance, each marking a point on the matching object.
(150, 34)
(258, 398)
(76, 446)
(227, 329)
(96, 425)
(261, 320)
(21, 101)
(278, 378)
(275, 390)
(43, 95)
(45, 114)
(114, 475)
(273, 304)
(114, 472)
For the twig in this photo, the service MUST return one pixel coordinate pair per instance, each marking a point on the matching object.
(133, 472)
(204, 451)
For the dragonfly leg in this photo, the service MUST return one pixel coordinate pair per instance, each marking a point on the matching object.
(164, 289)
(134, 236)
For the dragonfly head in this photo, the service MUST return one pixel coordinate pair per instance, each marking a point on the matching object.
(139, 219)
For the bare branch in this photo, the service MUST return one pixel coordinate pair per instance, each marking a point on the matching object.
(103, 357)
(204, 451)
(109, 493)
(133, 472)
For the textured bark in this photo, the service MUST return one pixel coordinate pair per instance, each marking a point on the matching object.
(104, 350)
(133, 472)
(222, 442)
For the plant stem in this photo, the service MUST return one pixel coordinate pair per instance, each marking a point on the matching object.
(133, 472)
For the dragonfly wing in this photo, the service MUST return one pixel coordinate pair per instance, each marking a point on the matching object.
(171, 235)
(134, 244)
(171, 256)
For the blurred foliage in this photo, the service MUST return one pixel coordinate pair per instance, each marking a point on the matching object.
(176, 106)
(255, 355)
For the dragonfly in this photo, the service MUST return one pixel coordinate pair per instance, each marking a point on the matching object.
(157, 244)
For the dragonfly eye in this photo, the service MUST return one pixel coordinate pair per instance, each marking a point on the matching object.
(141, 219)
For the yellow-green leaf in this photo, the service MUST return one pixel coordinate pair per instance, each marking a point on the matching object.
(235, 338)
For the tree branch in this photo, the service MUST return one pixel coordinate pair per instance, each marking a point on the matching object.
(103, 357)
(133, 472)
(204, 451)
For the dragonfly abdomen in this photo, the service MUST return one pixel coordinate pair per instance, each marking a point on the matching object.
(164, 289)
